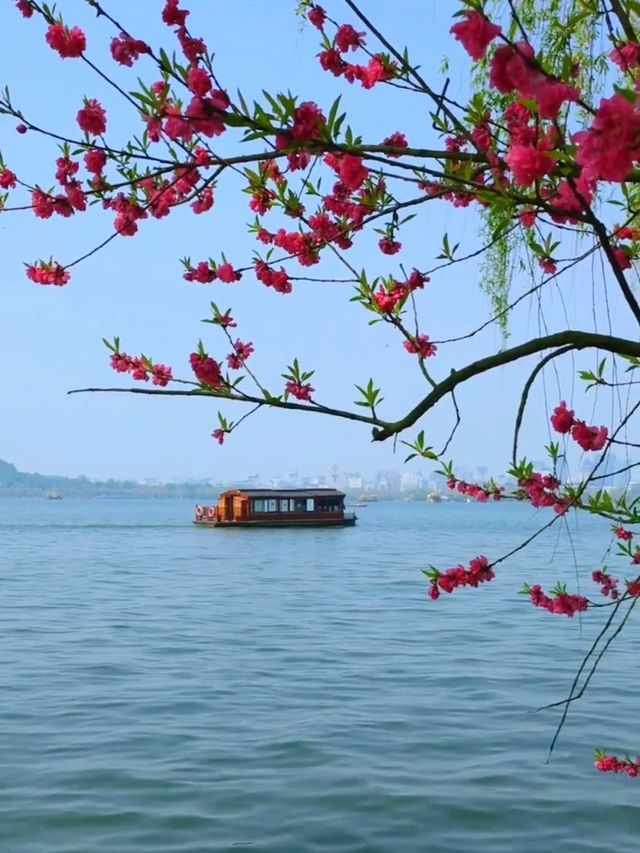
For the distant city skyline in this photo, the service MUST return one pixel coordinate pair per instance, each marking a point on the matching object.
(393, 480)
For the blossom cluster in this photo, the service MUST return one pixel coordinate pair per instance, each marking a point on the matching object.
(51, 272)
(240, 354)
(299, 390)
(205, 272)
(561, 602)
(421, 346)
(68, 43)
(379, 67)
(588, 437)
(475, 490)
(126, 50)
(141, 368)
(543, 491)
(219, 435)
(390, 296)
(7, 179)
(342, 211)
(478, 571)
(206, 369)
(608, 584)
(611, 764)
(622, 533)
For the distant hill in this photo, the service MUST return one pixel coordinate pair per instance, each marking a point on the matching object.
(14, 483)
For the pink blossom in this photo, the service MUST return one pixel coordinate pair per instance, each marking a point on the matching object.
(301, 391)
(528, 163)
(207, 371)
(623, 534)
(421, 346)
(509, 69)
(199, 81)
(48, 273)
(308, 121)
(69, 43)
(227, 274)
(589, 437)
(126, 50)
(609, 147)
(622, 258)
(479, 571)
(25, 8)
(395, 140)
(161, 375)
(202, 273)
(7, 179)
(92, 118)
(612, 764)
(348, 38)
(563, 602)
(608, 584)
(389, 246)
(527, 218)
(475, 33)
(95, 160)
(352, 171)
(317, 16)
(626, 56)
(562, 418)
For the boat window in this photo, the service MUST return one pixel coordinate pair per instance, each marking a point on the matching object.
(286, 505)
(257, 505)
(309, 504)
(328, 505)
(299, 505)
(271, 505)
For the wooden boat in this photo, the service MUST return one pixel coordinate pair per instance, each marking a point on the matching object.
(276, 508)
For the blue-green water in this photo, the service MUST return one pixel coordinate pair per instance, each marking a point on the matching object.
(168, 688)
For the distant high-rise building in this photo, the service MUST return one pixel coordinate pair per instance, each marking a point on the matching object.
(388, 481)
(408, 481)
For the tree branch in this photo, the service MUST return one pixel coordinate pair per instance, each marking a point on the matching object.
(246, 398)
(577, 339)
(525, 395)
(625, 23)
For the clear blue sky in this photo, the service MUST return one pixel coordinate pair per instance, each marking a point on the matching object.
(50, 338)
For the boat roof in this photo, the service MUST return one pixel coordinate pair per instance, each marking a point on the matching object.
(287, 493)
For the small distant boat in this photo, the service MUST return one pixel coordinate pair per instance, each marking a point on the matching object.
(366, 499)
(276, 508)
(54, 496)
(359, 503)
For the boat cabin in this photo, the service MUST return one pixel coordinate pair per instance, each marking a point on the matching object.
(277, 508)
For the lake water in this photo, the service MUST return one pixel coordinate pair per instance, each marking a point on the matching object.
(171, 689)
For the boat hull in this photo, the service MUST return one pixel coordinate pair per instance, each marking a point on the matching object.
(347, 521)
